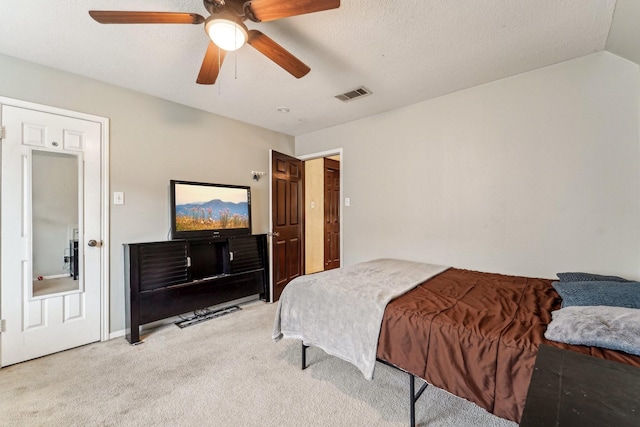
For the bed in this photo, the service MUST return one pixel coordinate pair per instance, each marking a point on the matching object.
(470, 333)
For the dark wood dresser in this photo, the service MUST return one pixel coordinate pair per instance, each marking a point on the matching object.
(164, 279)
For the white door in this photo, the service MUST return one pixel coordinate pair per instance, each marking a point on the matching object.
(51, 210)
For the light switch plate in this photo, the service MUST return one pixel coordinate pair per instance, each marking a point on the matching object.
(118, 198)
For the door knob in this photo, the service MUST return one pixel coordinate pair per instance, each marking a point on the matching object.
(92, 243)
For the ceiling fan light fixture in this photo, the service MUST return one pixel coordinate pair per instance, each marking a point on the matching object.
(226, 34)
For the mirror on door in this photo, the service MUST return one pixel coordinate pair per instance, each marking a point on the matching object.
(55, 222)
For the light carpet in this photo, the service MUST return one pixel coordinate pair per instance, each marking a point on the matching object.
(223, 372)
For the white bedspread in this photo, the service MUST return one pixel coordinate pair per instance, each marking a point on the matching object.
(341, 310)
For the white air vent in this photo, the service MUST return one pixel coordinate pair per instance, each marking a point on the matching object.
(354, 94)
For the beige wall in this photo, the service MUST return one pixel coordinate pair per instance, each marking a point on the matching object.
(531, 175)
(152, 141)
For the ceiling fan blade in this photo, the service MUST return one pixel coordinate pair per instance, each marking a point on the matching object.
(122, 17)
(270, 10)
(211, 65)
(277, 54)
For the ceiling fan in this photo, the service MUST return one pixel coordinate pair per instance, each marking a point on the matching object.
(226, 29)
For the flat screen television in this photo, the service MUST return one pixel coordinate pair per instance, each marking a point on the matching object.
(200, 210)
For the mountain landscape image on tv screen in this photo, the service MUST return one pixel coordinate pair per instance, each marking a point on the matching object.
(201, 208)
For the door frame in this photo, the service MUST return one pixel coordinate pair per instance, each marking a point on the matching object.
(305, 157)
(104, 202)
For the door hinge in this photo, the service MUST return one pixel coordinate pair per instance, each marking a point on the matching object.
(3, 325)
(2, 132)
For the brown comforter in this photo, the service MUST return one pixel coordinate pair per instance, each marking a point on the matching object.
(476, 335)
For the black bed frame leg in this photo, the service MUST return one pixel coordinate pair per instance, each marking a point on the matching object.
(412, 400)
(304, 356)
(413, 397)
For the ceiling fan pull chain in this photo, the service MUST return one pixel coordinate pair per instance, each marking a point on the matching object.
(235, 57)
(219, 66)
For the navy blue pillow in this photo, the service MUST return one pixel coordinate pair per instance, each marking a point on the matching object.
(588, 277)
(615, 294)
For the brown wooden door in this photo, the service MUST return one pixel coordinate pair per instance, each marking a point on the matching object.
(287, 182)
(331, 214)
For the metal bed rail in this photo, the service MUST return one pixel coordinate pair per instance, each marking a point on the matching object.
(413, 396)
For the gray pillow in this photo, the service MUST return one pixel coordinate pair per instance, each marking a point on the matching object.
(614, 328)
(616, 294)
(588, 277)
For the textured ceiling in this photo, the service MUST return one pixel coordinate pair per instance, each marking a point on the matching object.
(403, 51)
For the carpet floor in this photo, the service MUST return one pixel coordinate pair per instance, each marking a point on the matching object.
(223, 372)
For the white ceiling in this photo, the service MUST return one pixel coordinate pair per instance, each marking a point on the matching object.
(403, 51)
